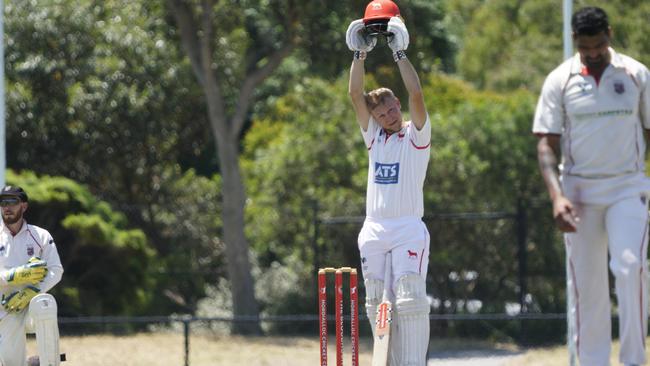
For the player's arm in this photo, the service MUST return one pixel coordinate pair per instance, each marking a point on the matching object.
(417, 109)
(360, 43)
(55, 269)
(548, 149)
(398, 43)
(356, 92)
(644, 102)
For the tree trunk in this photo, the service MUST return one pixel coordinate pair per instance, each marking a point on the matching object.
(197, 35)
(237, 247)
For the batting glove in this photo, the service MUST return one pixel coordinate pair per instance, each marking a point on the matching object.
(399, 41)
(19, 300)
(28, 274)
(357, 39)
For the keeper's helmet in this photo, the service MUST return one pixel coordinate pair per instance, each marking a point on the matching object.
(377, 15)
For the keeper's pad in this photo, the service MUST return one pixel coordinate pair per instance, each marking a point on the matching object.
(42, 320)
(412, 338)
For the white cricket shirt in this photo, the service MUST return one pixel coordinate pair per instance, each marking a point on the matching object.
(16, 250)
(397, 166)
(601, 123)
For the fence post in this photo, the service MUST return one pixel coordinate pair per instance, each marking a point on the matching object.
(522, 233)
(187, 319)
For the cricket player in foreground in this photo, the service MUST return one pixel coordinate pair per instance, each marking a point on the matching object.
(29, 267)
(398, 152)
(594, 108)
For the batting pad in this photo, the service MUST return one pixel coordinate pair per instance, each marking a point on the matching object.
(412, 338)
(43, 322)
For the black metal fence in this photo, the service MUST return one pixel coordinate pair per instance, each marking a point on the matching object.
(483, 266)
(491, 275)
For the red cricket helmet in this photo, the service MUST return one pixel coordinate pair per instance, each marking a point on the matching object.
(377, 15)
(380, 10)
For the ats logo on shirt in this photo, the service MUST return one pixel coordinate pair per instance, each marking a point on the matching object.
(386, 173)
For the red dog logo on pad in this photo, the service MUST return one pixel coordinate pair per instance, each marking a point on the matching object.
(412, 255)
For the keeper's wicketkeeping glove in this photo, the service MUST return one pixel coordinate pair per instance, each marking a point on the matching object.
(19, 300)
(399, 41)
(28, 274)
(357, 38)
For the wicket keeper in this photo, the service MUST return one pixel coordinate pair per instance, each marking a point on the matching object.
(29, 267)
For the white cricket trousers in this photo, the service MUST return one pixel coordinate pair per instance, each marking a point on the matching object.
(406, 237)
(622, 229)
(13, 339)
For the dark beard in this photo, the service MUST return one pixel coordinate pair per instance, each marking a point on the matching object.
(597, 64)
(9, 221)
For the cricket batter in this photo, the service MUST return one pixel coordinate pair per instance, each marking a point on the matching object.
(398, 152)
(29, 267)
(594, 108)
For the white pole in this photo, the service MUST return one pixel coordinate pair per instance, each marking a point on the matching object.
(3, 155)
(566, 30)
(567, 11)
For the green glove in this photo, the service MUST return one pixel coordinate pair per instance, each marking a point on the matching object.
(28, 274)
(18, 300)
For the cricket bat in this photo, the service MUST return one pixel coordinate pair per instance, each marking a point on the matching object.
(384, 318)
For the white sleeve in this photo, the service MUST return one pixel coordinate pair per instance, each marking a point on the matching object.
(369, 134)
(421, 138)
(644, 103)
(54, 268)
(549, 114)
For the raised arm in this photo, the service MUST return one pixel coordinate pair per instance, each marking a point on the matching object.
(399, 43)
(417, 109)
(356, 92)
(548, 149)
(360, 43)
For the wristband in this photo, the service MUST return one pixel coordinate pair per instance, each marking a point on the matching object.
(360, 55)
(399, 55)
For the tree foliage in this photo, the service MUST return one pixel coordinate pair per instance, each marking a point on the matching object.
(483, 159)
(103, 93)
(508, 44)
(233, 50)
(100, 94)
(106, 264)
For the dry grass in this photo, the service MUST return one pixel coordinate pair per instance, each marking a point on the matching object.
(167, 349)
(554, 356)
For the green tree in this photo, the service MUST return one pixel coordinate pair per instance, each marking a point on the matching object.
(248, 47)
(508, 44)
(106, 264)
(231, 62)
(100, 94)
(483, 159)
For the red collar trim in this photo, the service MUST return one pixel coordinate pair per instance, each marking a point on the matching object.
(584, 71)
